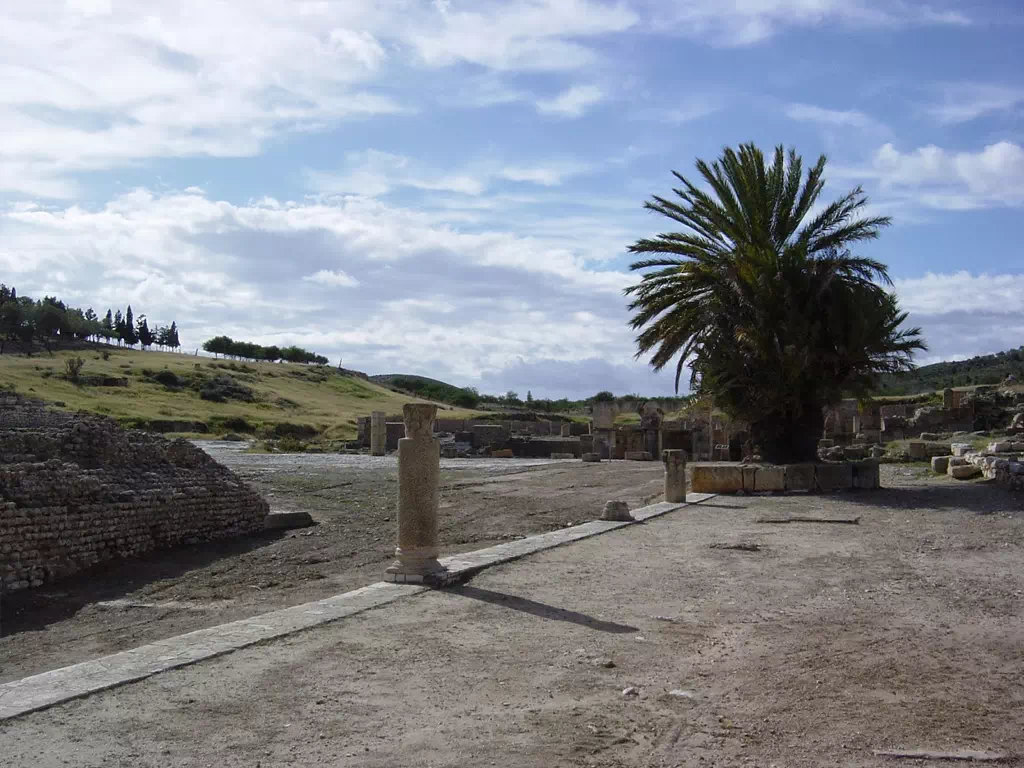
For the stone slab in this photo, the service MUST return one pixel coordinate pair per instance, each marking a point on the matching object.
(47, 689)
(639, 456)
(833, 477)
(281, 520)
(866, 475)
(770, 479)
(717, 478)
(592, 457)
(563, 456)
(749, 475)
(799, 477)
(940, 464)
(964, 472)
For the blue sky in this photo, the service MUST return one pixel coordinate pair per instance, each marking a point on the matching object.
(448, 187)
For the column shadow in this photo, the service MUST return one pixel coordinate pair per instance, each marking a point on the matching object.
(542, 610)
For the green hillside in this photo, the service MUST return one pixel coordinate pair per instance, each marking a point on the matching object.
(431, 389)
(984, 369)
(165, 391)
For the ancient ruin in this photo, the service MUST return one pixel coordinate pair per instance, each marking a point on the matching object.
(418, 477)
(77, 491)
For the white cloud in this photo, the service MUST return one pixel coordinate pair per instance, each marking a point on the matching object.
(97, 85)
(962, 292)
(334, 278)
(831, 117)
(752, 21)
(374, 174)
(963, 102)
(937, 178)
(572, 102)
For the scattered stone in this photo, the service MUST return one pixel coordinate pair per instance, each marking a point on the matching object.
(283, 520)
(592, 457)
(604, 663)
(617, 511)
(964, 472)
(631, 691)
(960, 449)
(681, 694)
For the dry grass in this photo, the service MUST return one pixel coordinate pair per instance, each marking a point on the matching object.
(285, 393)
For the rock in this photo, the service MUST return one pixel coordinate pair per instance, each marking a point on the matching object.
(283, 520)
(502, 453)
(1000, 447)
(604, 663)
(591, 457)
(681, 694)
(617, 511)
(917, 450)
(940, 464)
(835, 454)
(631, 691)
(929, 436)
(960, 449)
(965, 472)
(877, 452)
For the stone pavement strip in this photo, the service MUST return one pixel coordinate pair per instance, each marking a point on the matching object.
(49, 688)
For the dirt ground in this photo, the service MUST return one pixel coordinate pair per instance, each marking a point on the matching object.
(353, 498)
(812, 645)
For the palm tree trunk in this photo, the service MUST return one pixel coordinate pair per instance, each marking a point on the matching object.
(789, 438)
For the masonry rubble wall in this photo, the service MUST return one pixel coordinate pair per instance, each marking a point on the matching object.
(77, 490)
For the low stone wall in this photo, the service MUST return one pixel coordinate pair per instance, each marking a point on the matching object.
(77, 490)
(812, 478)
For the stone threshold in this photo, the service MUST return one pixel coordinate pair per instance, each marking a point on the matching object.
(47, 689)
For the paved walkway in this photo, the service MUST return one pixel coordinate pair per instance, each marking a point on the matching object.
(699, 638)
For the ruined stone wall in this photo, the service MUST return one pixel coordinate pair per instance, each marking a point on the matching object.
(77, 490)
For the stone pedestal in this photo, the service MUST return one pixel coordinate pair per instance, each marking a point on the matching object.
(378, 434)
(675, 475)
(617, 511)
(418, 473)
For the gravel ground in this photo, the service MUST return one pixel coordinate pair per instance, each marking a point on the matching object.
(353, 498)
(809, 645)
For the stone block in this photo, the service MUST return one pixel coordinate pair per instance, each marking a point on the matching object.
(826, 443)
(502, 453)
(833, 477)
(563, 456)
(956, 461)
(940, 464)
(964, 472)
(566, 430)
(279, 521)
(866, 475)
(1000, 447)
(748, 478)
(770, 479)
(717, 478)
(916, 450)
(592, 457)
(638, 456)
(617, 511)
(799, 477)
(929, 436)
(960, 449)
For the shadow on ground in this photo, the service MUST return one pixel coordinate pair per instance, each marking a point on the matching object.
(34, 609)
(542, 610)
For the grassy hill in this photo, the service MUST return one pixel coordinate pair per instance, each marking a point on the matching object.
(431, 389)
(166, 390)
(984, 369)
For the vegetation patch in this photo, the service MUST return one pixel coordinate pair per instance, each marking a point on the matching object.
(223, 388)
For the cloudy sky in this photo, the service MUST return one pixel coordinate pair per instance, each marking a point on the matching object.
(448, 187)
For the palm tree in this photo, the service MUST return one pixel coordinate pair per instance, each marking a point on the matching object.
(761, 296)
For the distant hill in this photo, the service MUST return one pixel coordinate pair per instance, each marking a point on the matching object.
(169, 392)
(428, 389)
(984, 369)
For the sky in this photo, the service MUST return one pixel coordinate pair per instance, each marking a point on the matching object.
(449, 187)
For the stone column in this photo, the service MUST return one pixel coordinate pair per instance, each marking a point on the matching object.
(378, 434)
(947, 399)
(566, 430)
(419, 463)
(675, 475)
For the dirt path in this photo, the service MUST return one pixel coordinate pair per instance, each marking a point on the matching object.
(817, 646)
(353, 499)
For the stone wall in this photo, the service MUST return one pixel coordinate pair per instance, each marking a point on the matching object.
(77, 490)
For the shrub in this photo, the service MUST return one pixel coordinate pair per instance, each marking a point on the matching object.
(222, 388)
(105, 355)
(289, 444)
(74, 367)
(169, 379)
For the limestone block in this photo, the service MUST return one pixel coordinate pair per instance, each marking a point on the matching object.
(961, 449)
(957, 461)
(916, 450)
(1000, 447)
(929, 436)
(964, 472)
(378, 434)
(717, 478)
(866, 475)
(940, 464)
(833, 477)
(748, 478)
(675, 475)
(617, 511)
(502, 453)
(770, 479)
(800, 477)
(563, 456)
(566, 430)
(826, 443)
(281, 520)
(638, 456)
(591, 457)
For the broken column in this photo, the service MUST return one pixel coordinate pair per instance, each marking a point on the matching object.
(378, 434)
(418, 472)
(675, 475)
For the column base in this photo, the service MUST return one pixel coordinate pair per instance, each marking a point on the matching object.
(419, 570)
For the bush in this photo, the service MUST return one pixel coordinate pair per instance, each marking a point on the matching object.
(74, 367)
(604, 397)
(222, 388)
(105, 355)
(169, 379)
(232, 424)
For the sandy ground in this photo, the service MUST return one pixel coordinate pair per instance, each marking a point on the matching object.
(826, 643)
(353, 498)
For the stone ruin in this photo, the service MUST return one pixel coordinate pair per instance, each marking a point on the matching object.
(77, 490)
(1002, 460)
